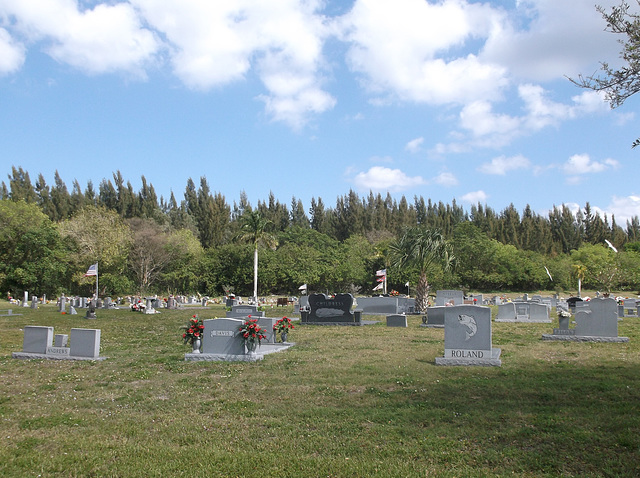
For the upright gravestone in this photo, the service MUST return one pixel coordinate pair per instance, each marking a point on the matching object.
(34, 302)
(325, 310)
(36, 339)
(63, 304)
(596, 321)
(25, 301)
(85, 343)
(523, 312)
(467, 337)
(449, 297)
(434, 317)
(238, 311)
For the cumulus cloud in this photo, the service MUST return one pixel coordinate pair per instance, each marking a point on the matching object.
(103, 39)
(537, 43)
(580, 164)
(475, 197)
(403, 49)
(446, 179)
(624, 208)
(11, 53)
(414, 145)
(386, 179)
(215, 43)
(502, 164)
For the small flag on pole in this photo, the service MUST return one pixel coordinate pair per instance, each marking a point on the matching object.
(93, 270)
(407, 284)
(303, 287)
(382, 272)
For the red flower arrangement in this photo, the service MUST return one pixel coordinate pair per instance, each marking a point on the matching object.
(283, 325)
(194, 330)
(251, 332)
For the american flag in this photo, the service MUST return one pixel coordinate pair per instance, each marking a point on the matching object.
(93, 270)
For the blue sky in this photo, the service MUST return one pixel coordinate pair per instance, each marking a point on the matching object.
(447, 100)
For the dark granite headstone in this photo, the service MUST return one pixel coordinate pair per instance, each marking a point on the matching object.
(330, 310)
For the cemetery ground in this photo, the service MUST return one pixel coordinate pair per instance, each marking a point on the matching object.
(345, 401)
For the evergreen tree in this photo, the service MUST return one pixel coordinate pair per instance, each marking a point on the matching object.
(60, 198)
(21, 187)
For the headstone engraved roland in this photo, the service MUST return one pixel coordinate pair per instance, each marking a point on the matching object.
(330, 310)
(37, 344)
(467, 337)
(596, 321)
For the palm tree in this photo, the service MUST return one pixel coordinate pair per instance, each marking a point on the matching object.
(254, 230)
(580, 271)
(422, 248)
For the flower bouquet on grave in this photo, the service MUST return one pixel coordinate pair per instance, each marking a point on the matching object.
(282, 327)
(252, 334)
(563, 318)
(193, 333)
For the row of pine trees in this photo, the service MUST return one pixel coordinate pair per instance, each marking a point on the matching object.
(215, 221)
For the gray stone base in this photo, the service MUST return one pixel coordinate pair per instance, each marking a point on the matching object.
(263, 349)
(433, 326)
(350, 324)
(525, 321)
(584, 338)
(494, 361)
(30, 356)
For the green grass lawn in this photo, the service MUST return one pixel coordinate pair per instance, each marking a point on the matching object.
(344, 402)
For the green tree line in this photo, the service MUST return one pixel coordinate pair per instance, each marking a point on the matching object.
(144, 243)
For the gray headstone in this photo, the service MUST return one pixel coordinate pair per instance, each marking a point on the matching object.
(450, 297)
(435, 316)
(396, 320)
(34, 302)
(85, 342)
(221, 336)
(467, 337)
(72, 310)
(600, 319)
(60, 340)
(37, 339)
(506, 312)
(238, 311)
(267, 324)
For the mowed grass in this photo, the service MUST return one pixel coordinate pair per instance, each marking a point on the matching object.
(344, 402)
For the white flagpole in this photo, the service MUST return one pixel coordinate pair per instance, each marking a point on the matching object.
(96, 281)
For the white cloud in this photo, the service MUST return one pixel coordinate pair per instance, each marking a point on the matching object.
(403, 49)
(103, 39)
(502, 164)
(580, 164)
(215, 43)
(475, 197)
(386, 179)
(414, 145)
(446, 179)
(11, 53)
(539, 44)
(624, 208)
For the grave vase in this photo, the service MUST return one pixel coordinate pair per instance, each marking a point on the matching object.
(283, 336)
(251, 346)
(195, 344)
(564, 323)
